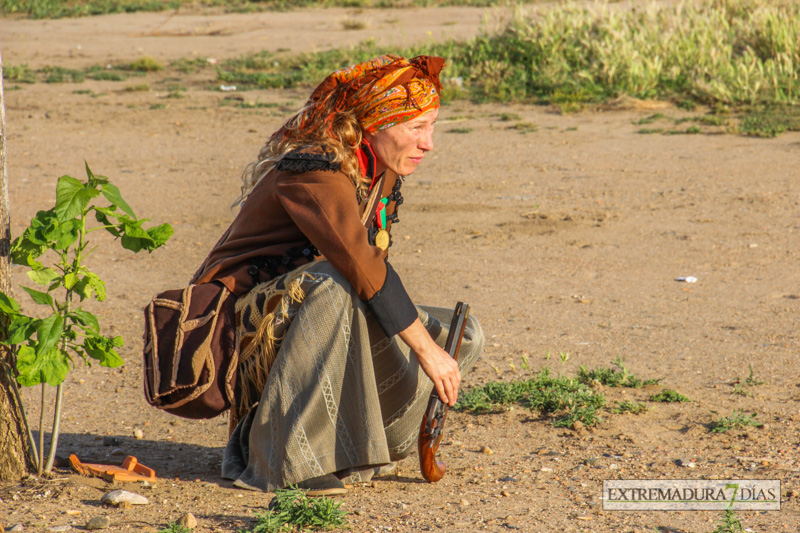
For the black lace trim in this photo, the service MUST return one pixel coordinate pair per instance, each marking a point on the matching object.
(298, 162)
(275, 265)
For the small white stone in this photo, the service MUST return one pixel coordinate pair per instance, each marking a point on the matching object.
(119, 496)
(138, 434)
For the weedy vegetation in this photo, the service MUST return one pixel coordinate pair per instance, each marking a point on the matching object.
(140, 87)
(729, 523)
(524, 127)
(80, 8)
(508, 117)
(628, 406)
(669, 396)
(175, 527)
(736, 56)
(610, 377)
(737, 420)
(292, 510)
(564, 399)
(146, 64)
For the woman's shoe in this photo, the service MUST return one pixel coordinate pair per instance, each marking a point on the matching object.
(365, 475)
(327, 485)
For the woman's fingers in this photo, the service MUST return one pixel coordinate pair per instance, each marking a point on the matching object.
(450, 379)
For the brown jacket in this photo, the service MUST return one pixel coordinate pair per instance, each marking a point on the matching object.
(285, 211)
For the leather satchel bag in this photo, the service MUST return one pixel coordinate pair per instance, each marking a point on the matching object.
(190, 352)
(191, 356)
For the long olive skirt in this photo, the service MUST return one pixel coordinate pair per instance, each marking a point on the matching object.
(339, 395)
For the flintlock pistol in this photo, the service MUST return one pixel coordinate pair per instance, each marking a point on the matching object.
(430, 433)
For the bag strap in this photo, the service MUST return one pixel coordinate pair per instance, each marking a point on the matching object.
(374, 196)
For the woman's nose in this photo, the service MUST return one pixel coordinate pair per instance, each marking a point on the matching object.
(426, 142)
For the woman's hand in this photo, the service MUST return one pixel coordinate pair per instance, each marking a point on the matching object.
(435, 362)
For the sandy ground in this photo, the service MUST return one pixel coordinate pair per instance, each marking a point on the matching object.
(567, 239)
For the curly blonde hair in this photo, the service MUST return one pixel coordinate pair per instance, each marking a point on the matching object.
(340, 137)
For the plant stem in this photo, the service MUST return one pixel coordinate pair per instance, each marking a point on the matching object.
(60, 389)
(40, 462)
(56, 424)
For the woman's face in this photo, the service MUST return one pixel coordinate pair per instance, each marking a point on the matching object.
(402, 147)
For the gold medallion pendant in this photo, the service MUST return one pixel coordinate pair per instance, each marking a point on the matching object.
(382, 239)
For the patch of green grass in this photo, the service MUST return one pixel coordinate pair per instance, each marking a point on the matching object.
(175, 527)
(649, 119)
(712, 120)
(62, 75)
(572, 101)
(691, 130)
(737, 420)
(189, 66)
(459, 130)
(611, 377)
(141, 87)
(645, 131)
(41, 9)
(105, 74)
(770, 121)
(564, 399)
(627, 406)
(729, 523)
(146, 64)
(524, 127)
(669, 396)
(508, 117)
(80, 8)
(739, 390)
(158, 106)
(19, 73)
(292, 510)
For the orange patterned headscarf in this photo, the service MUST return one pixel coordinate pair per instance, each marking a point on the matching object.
(391, 88)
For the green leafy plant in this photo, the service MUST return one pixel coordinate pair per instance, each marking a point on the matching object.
(175, 527)
(46, 344)
(610, 377)
(752, 380)
(565, 399)
(627, 406)
(729, 523)
(669, 396)
(737, 420)
(291, 509)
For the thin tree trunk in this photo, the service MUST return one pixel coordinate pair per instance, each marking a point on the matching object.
(15, 458)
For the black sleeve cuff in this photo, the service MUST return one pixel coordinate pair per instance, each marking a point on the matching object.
(391, 306)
